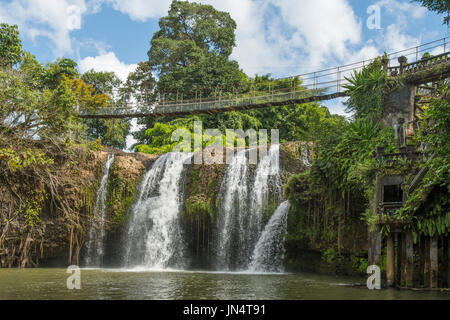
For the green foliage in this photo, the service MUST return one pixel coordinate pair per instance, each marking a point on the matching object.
(140, 84)
(10, 45)
(329, 255)
(32, 112)
(103, 82)
(32, 213)
(359, 263)
(429, 203)
(190, 54)
(208, 28)
(18, 160)
(201, 202)
(329, 200)
(198, 208)
(112, 132)
(56, 72)
(160, 139)
(190, 51)
(343, 157)
(366, 90)
(32, 71)
(95, 145)
(121, 194)
(435, 128)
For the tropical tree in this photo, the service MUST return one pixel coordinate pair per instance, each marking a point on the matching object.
(10, 45)
(366, 89)
(190, 53)
(140, 85)
(57, 71)
(112, 132)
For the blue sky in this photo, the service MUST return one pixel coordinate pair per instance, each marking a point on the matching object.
(281, 37)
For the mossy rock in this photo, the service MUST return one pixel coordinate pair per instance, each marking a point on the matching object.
(125, 176)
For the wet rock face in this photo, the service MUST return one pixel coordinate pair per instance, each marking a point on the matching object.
(49, 243)
(203, 198)
(33, 227)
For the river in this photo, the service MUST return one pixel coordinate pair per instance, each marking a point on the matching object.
(119, 284)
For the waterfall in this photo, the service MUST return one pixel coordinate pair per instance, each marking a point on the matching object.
(269, 251)
(245, 198)
(233, 191)
(267, 183)
(95, 245)
(154, 238)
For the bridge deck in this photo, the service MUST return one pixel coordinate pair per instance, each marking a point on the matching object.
(418, 72)
(275, 100)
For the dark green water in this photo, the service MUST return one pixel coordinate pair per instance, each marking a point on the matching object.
(117, 284)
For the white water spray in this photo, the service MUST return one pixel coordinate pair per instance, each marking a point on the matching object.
(267, 183)
(154, 239)
(245, 198)
(95, 245)
(269, 252)
(234, 191)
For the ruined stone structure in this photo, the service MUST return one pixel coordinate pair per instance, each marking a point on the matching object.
(424, 262)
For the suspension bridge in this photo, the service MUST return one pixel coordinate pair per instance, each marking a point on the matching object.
(315, 86)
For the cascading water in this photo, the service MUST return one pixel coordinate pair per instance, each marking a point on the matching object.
(95, 245)
(154, 238)
(269, 251)
(233, 191)
(267, 183)
(244, 200)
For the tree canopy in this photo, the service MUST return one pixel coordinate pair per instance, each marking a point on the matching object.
(10, 45)
(190, 53)
(112, 132)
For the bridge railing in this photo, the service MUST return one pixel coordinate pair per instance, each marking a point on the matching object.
(327, 81)
(419, 65)
(192, 107)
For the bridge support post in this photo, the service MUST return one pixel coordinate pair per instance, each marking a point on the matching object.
(433, 262)
(447, 250)
(409, 260)
(374, 256)
(426, 267)
(390, 261)
(399, 270)
(403, 61)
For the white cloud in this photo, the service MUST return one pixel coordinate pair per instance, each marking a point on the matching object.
(252, 51)
(397, 40)
(438, 50)
(337, 106)
(54, 19)
(141, 10)
(278, 43)
(289, 36)
(395, 36)
(400, 9)
(327, 27)
(107, 62)
(283, 37)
